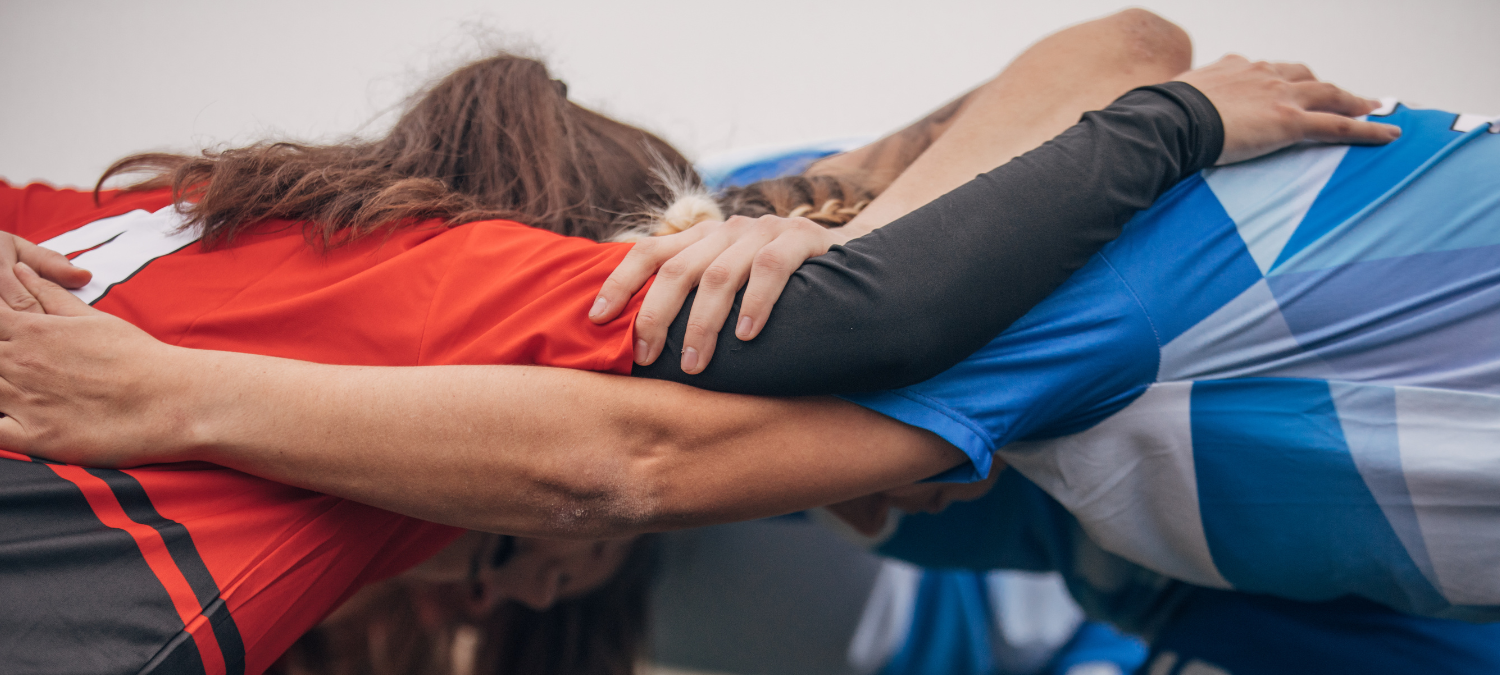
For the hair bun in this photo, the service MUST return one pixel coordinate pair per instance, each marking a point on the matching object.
(689, 209)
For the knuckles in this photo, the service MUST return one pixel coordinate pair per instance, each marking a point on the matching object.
(674, 269)
(718, 275)
(769, 262)
(647, 318)
(696, 332)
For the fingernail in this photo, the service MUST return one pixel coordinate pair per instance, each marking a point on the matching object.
(743, 331)
(1395, 132)
(641, 350)
(599, 304)
(689, 360)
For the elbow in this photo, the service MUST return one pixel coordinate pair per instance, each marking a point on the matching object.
(1150, 41)
(619, 496)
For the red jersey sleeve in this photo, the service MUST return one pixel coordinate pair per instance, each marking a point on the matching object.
(39, 211)
(515, 294)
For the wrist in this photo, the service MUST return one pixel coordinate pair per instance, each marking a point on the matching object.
(849, 232)
(192, 403)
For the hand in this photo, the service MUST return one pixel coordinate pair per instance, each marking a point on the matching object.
(1269, 106)
(50, 264)
(718, 258)
(73, 382)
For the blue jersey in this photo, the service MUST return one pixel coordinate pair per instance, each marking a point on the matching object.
(1281, 378)
(1191, 629)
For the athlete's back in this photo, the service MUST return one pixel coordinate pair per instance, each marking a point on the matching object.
(195, 568)
(1282, 378)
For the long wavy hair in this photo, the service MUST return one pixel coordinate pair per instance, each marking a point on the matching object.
(496, 139)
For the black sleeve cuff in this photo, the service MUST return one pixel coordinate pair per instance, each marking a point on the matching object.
(1205, 127)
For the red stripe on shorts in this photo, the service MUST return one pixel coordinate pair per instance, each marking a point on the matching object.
(107, 508)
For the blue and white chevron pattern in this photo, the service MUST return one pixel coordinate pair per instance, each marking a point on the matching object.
(1283, 378)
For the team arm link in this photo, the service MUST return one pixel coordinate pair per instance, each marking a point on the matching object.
(856, 319)
(523, 450)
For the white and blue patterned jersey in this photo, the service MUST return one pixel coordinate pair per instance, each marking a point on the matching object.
(1284, 377)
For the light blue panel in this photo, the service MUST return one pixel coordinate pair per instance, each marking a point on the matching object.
(1367, 414)
(1428, 320)
(1268, 197)
(1284, 506)
(1449, 203)
(1368, 172)
(1248, 337)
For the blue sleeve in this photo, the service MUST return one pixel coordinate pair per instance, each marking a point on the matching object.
(1082, 353)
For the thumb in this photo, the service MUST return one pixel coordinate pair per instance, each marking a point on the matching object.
(55, 299)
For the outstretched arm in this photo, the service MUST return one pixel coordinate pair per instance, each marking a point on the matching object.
(522, 450)
(900, 305)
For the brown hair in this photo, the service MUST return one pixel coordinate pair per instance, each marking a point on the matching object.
(497, 138)
(414, 628)
(827, 199)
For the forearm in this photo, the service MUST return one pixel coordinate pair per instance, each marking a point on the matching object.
(540, 451)
(1038, 96)
(913, 298)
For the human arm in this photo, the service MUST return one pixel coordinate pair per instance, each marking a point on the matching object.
(23, 209)
(1001, 243)
(984, 254)
(522, 450)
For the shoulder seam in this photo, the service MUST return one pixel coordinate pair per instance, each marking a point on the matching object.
(1155, 334)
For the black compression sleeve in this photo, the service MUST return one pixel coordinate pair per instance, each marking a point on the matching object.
(915, 297)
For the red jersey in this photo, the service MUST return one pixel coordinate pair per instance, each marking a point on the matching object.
(195, 568)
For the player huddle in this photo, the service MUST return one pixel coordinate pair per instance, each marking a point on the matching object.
(1203, 382)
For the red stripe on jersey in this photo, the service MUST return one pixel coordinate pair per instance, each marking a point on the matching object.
(6, 454)
(102, 500)
(489, 292)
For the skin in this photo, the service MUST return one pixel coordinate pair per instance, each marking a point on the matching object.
(538, 574)
(574, 455)
(1264, 107)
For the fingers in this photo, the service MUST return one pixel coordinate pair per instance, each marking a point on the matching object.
(769, 273)
(1329, 98)
(639, 264)
(1331, 128)
(15, 294)
(55, 300)
(674, 280)
(1293, 72)
(717, 287)
(52, 265)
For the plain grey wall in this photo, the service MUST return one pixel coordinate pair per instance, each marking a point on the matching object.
(85, 82)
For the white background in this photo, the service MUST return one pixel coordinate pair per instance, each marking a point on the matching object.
(86, 82)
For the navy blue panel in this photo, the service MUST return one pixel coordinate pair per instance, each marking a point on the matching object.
(1244, 634)
(137, 504)
(77, 596)
(1284, 508)
(1184, 258)
(1367, 172)
(1013, 526)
